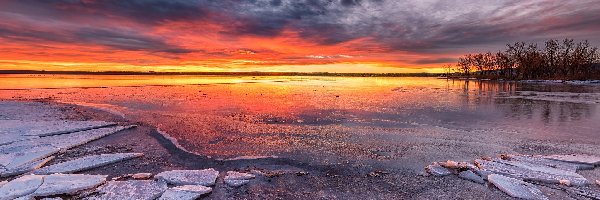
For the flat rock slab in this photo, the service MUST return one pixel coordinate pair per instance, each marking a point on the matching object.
(10, 138)
(62, 127)
(134, 189)
(62, 142)
(232, 175)
(437, 170)
(206, 177)
(185, 192)
(67, 141)
(27, 167)
(471, 176)
(21, 186)
(68, 183)
(236, 183)
(582, 159)
(538, 173)
(22, 158)
(541, 161)
(5, 159)
(86, 163)
(516, 188)
(47, 128)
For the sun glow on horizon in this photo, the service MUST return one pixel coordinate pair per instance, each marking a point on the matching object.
(235, 66)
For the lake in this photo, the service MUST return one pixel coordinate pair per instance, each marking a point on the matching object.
(366, 122)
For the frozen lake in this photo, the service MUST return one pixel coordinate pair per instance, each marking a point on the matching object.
(371, 122)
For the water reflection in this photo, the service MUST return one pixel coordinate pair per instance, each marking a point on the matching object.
(228, 116)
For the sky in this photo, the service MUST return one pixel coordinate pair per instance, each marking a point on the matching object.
(400, 36)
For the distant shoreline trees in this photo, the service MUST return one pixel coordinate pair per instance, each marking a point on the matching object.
(564, 60)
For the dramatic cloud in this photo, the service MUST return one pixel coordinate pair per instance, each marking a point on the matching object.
(199, 34)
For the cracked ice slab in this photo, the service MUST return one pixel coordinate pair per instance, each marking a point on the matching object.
(85, 163)
(135, 189)
(540, 160)
(206, 177)
(27, 167)
(21, 158)
(233, 175)
(186, 192)
(10, 138)
(532, 173)
(236, 179)
(580, 159)
(68, 184)
(64, 141)
(21, 186)
(47, 128)
(516, 188)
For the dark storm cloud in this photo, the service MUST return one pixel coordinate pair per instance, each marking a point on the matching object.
(413, 26)
(126, 41)
(435, 61)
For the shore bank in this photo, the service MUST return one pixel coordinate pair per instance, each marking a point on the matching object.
(567, 82)
(285, 178)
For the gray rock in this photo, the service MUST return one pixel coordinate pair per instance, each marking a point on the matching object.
(22, 158)
(27, 167)
(62, 127)
(86, 163)
(68, 183)
(469, 175)
(62, 142)
(232, 175)
(581, 159)
(437, 170)
(22, 146)
(186, 192)
(11, 138)
(141, 176)
(68, 141)
(206, 177)
(516, 188)
(236, 183)
(541, 161)
(47, 128)
(21, 186)
(134, 189)
(5, 159)
(482, 173)
(531, 173)
(236, 179)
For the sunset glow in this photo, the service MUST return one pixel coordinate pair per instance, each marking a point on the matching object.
(274, 35)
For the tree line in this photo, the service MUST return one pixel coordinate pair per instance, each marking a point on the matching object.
(556, 60)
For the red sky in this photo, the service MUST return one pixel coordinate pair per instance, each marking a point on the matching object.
(276, 35)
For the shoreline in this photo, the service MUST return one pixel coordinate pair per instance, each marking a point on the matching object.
(284, 178)
(565, 82)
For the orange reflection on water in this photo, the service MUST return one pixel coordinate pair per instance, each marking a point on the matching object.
(226, 116)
